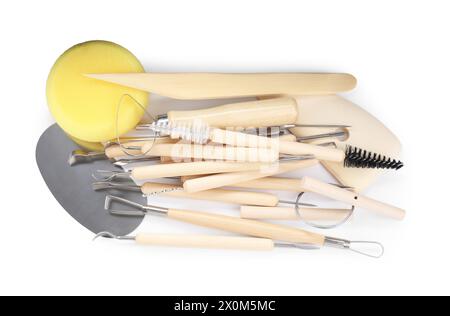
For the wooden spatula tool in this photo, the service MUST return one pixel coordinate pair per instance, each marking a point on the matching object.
(189, 86)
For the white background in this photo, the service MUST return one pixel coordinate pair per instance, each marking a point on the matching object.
(398, 50)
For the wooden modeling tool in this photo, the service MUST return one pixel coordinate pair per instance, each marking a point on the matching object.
(232, 242)
(193, 168)
(301, 238)
(227, 179)
(175, 190)
(220, 195)
(212, 152)
(260, 113)
(175, 152)
(290, 213)
(311, 185)
(168, 170)
(190, 86)
(197, 241)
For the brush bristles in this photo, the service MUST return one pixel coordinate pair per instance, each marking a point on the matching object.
(360, 158)
(197, 131)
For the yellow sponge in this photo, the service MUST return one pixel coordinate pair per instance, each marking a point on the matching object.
(87, 145)
(86, 108)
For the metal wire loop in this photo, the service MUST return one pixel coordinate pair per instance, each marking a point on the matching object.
(297, 210)
(126, 149)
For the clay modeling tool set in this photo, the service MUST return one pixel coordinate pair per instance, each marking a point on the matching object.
(232, 153)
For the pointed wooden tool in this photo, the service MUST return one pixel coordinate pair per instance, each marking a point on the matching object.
(189, 86)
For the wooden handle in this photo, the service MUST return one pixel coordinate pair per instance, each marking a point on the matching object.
(205, 241)
(289, 213)
(307, 184)
(247, 227)
(192, 86)
(185, 178)
(273, 183)
(334, 192)
(191, 168)
(211, 152)
(272, 112)
(220, 195)
(221, 180)
(233, 138)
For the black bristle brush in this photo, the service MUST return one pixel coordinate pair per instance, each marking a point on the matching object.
(359, 158)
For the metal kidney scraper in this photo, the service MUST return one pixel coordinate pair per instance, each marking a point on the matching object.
(71, 186)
